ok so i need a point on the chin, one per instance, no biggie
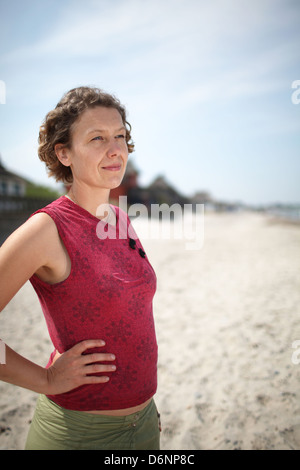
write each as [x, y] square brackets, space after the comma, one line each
[116, 182]
[113, 185]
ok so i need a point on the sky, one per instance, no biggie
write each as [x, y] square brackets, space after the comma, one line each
[208, 86]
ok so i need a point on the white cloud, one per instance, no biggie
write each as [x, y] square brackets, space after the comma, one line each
[196, 45]
[96, 28]
[169, 61]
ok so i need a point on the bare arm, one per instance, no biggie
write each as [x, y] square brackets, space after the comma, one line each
[22, 254]
[28, 249]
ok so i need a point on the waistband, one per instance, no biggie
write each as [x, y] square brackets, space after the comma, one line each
[89, 418]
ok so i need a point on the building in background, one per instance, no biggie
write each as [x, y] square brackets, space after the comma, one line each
[10, 183]
[160, 191]
[19, 198]
[129, 186]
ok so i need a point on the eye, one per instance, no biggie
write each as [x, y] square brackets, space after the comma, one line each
[98, 138]
[121, 136]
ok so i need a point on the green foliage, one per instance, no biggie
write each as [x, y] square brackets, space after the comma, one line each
[34, 190]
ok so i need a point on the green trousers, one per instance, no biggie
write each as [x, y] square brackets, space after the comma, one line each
[55, 428]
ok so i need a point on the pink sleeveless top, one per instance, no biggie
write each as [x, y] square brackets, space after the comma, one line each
[108, 295]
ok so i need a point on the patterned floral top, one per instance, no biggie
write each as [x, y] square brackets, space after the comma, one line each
[107, 295]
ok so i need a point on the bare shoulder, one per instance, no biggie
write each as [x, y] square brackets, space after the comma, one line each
[38, 230]
[26, 250]
[39, 223]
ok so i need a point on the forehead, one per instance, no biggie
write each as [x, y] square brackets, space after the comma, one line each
[99, 117]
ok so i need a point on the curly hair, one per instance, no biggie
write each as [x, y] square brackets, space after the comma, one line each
[57, 126]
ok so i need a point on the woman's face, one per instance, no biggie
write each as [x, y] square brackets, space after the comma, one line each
[98, 153]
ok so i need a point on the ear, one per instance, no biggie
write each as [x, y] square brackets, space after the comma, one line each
[62, 154]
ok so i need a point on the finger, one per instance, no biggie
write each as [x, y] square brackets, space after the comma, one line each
[96, 368]
[93, 379]
[79, 348]
[97, 357]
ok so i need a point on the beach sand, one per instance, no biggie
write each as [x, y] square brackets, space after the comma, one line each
[226, 318]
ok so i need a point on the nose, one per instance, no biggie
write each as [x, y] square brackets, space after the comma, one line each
[114, 148]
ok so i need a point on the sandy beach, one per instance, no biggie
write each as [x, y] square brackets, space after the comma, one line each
[226, 318]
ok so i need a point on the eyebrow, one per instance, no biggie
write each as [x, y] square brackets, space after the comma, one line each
[123, 128]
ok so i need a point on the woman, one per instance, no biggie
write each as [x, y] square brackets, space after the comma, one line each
[96, 292]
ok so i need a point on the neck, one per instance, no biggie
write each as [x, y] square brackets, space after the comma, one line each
[94, 202]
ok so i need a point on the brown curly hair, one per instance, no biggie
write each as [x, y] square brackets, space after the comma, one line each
[57, 126]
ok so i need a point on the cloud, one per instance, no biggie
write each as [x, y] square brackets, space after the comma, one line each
[101, 27]
[193, 47]
[194, 74]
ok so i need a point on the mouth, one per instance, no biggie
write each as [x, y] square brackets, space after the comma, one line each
[115, 167]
